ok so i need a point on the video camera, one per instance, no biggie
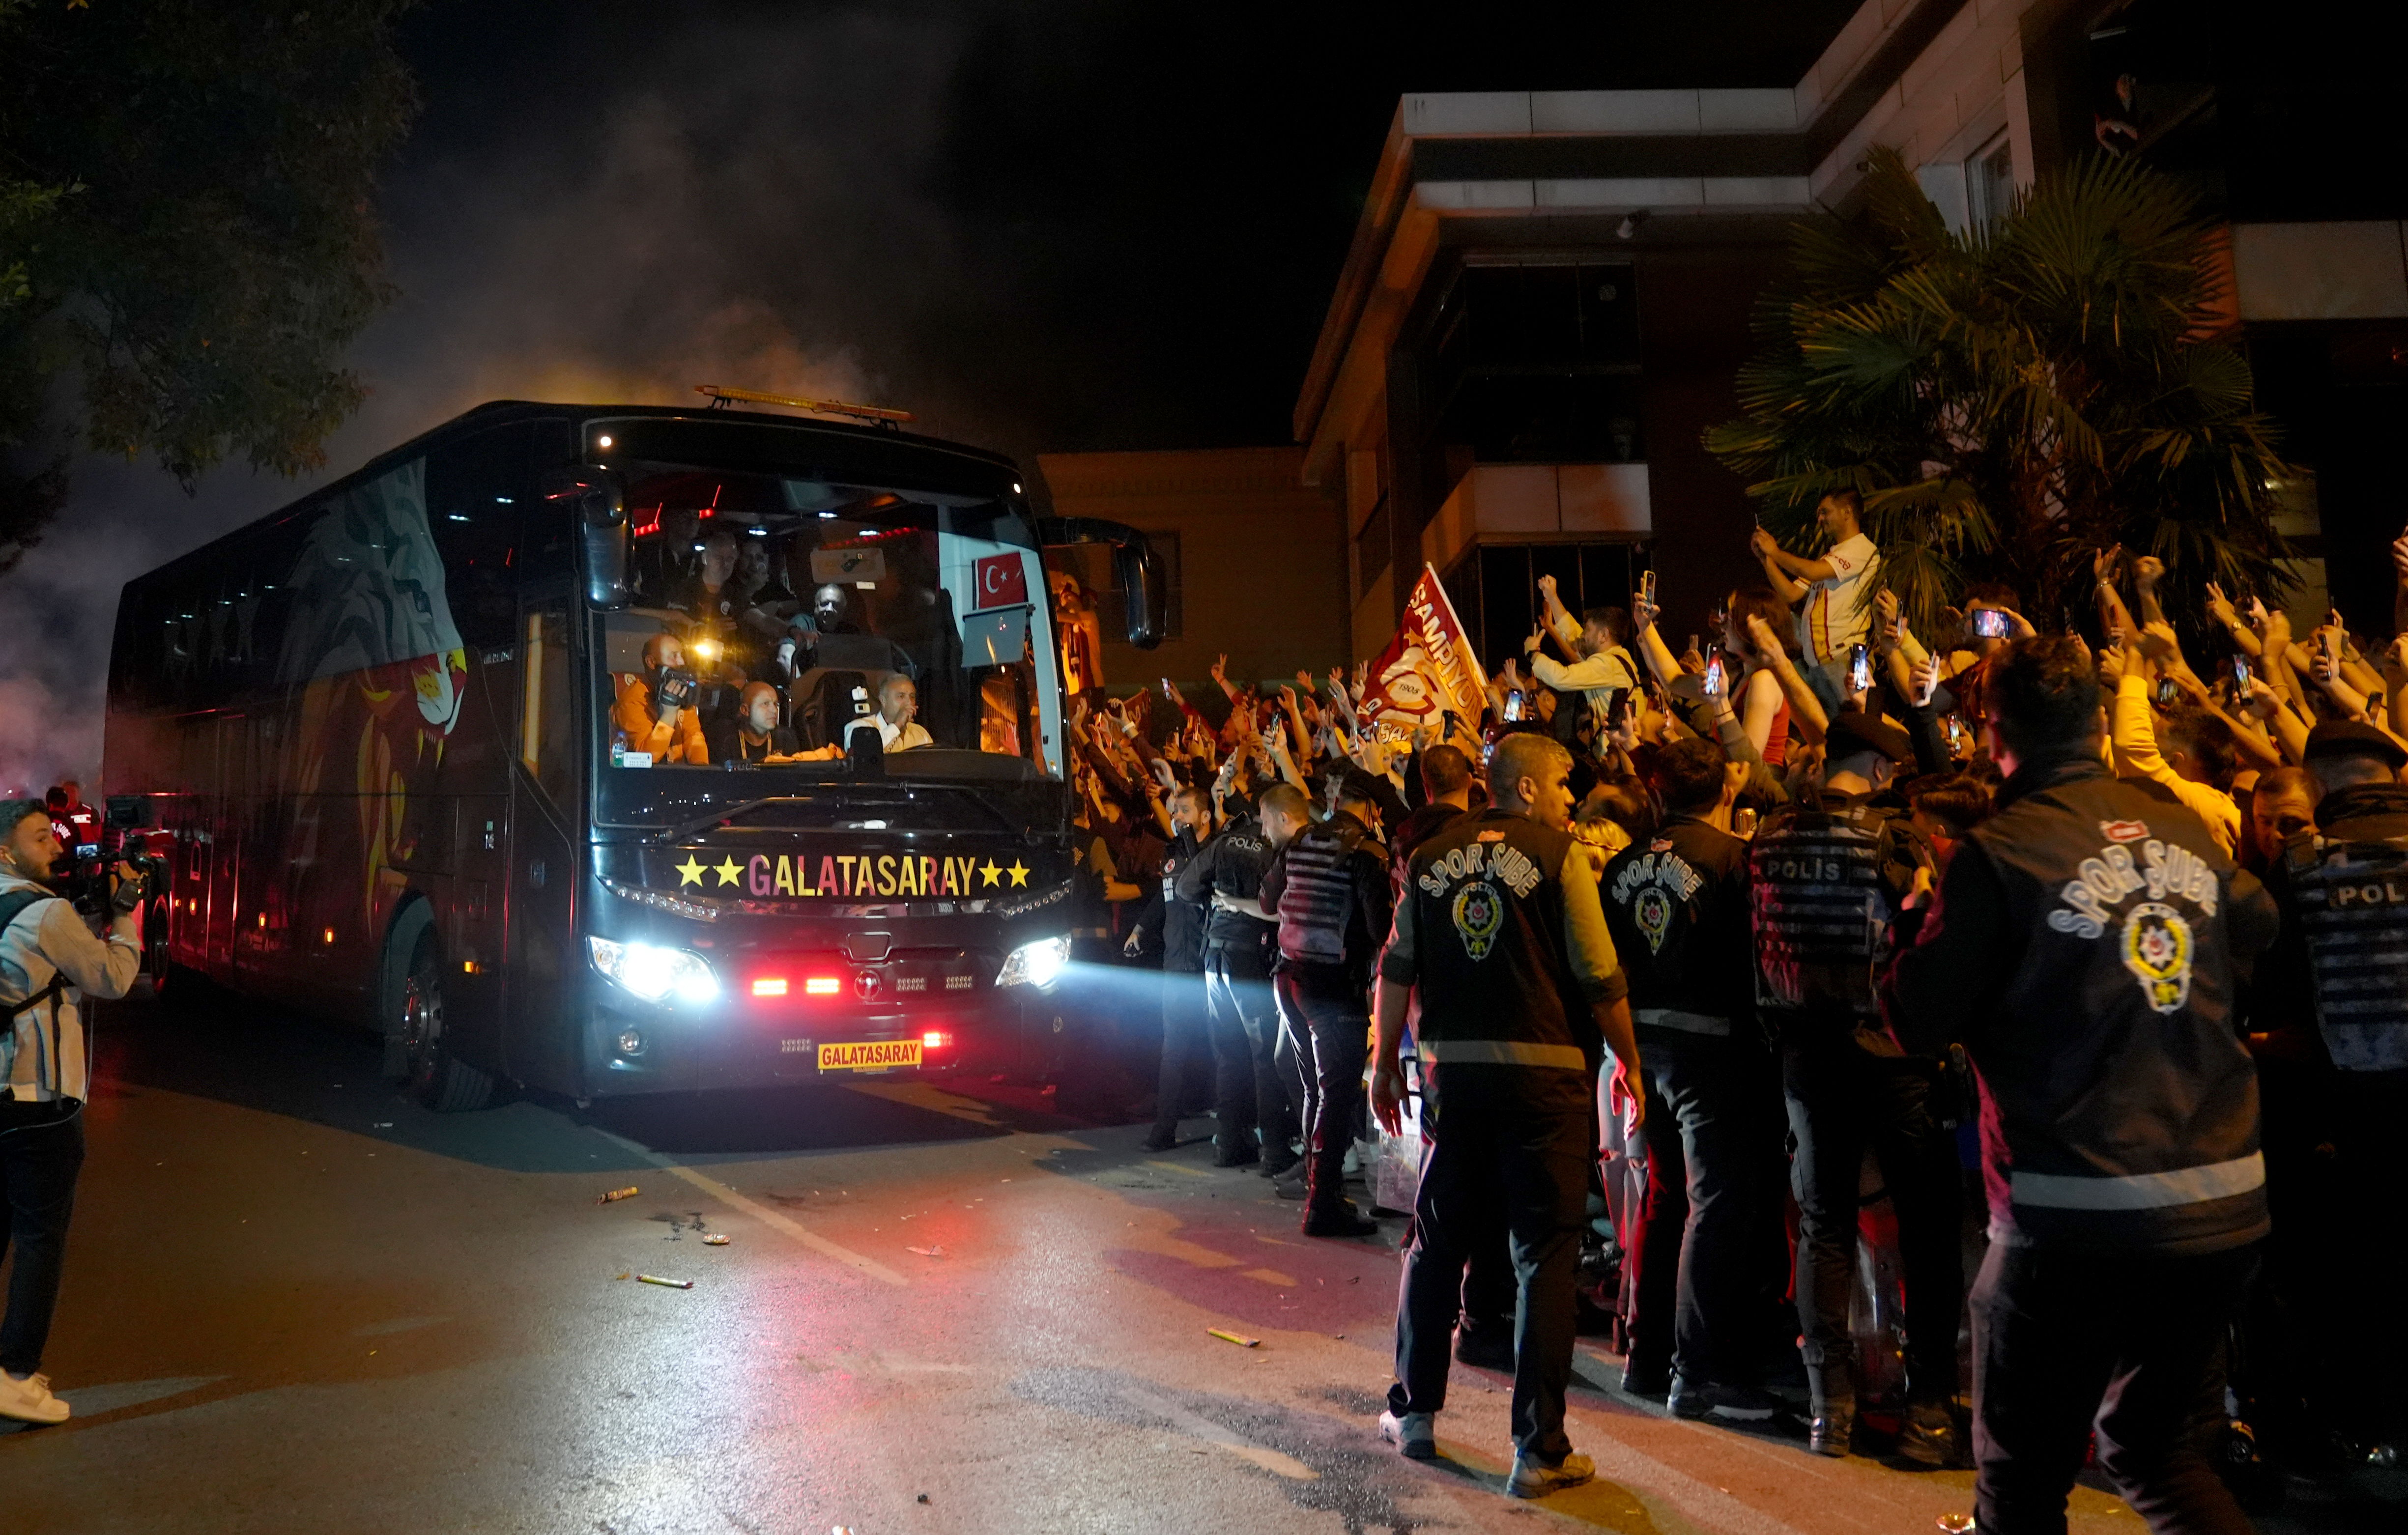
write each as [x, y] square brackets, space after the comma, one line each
[672, 689]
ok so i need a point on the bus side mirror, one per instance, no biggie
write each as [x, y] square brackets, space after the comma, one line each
[1136, 568]
[593, 497]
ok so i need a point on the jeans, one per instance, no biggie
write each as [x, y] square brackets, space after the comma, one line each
[1517, 1139]
[1324, 1009]
[40, 1156]
[2127, 1343]
[1710, 1112]
[1842, 1099]
[1238, 996]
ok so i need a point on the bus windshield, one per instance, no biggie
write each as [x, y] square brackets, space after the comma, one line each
[772, 617]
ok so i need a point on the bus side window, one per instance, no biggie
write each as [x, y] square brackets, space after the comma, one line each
[545, 748]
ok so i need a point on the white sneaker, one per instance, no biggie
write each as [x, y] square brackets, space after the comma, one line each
[29, 1400]
[1533, 1480]
[1413, 1434]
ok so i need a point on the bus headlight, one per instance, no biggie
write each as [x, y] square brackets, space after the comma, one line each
[1037, 964]
[655, 973]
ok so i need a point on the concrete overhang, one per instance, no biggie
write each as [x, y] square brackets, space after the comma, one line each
[1725, 157]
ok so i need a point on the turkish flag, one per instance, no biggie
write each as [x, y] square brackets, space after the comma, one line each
[1002, 580]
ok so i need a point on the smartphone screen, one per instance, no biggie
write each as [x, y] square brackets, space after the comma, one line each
[1860, 668]
[1990, 623]
[1513, 704]
[2240, 678]
[2167, 692]
[1647, 584]
[1714, 680]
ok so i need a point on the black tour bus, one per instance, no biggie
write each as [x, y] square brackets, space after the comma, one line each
[395, 744]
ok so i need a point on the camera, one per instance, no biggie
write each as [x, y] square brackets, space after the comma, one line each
[672, 688]
[1990, 623]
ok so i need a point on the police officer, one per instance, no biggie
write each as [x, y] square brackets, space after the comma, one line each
[2330, 1029]
[49, 961]
[1176, 923]
[1677, 907]
[1826, 877]
[2082, 949]
[1329, 885]
[1521, 994]
[1227, 876]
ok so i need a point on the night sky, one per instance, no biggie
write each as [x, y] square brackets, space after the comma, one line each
[1045, 225]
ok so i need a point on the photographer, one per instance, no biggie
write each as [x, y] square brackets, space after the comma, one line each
[655, 707]
[49, 958]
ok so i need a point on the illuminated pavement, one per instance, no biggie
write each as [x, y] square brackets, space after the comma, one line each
[295, 1302]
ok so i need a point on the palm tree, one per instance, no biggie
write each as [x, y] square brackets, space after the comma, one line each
[2009, 399]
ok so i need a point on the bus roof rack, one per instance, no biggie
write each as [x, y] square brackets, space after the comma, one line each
[722, 396]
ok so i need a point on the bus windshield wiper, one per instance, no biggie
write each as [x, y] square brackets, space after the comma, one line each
[687, 827]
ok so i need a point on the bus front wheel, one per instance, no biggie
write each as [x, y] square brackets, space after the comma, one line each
[441, 1080]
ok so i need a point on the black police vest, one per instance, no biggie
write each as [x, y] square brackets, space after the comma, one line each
[1488, 934]
[1317, 904]
[2352, 897]
[1819, 910]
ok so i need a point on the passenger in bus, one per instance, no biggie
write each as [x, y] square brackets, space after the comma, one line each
[667, 561]
[754, 735]
[837, 640]
[655, 710]
[712, 595]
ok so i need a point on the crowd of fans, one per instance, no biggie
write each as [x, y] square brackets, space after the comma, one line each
[1807, 737]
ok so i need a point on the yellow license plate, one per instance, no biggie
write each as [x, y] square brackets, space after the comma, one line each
[869, 1055]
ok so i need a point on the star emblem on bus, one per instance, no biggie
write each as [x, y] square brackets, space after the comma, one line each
[991, 873]
[728, 871]
[689, 872]
[1019, 872]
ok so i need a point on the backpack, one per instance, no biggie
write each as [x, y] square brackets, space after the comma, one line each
[12, 906]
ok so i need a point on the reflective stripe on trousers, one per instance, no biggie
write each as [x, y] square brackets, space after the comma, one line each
[2140, 1190]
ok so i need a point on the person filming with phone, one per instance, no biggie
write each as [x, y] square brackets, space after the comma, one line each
[50, 961]
[1832, 594]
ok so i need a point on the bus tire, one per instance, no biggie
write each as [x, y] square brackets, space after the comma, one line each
[436, 1077]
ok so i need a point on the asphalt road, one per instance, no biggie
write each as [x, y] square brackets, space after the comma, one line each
[296, 1302]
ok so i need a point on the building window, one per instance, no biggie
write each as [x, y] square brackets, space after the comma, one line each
[1537, 362]
[1990, 181]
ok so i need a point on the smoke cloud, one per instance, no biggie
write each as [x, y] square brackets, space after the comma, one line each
[750, 209]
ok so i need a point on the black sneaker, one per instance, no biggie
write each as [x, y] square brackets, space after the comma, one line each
[1290, 1188]
[1929, 1437]
[1833, 1428]
[1276, 1168]
[1245, 1155]
[1485, 1348]
[1645, 1381]
[1343, 1221]
[1694, 1399]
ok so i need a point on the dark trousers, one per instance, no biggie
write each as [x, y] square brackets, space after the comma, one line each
[2130, 1343]
[1710, 1112]
[1186, 1048]
[1842, 1099]
[1238, 995]
[1326, 1012]
[40, 1155]
[1515, 1139]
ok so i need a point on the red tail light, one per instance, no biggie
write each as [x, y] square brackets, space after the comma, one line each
[937, 1038]
[821, 985]
[770, 985]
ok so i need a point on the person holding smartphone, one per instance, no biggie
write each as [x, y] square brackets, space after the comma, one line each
[1832, 594]
[1599, 642]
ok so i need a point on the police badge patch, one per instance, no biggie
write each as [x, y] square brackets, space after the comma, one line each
[1478, 911]
[1652, 913]
[2156, 948]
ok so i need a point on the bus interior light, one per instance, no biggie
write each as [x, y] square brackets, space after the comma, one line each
[821, 985]
[770, 985]
[655, 973]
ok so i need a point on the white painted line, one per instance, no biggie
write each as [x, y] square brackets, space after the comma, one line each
[776, 1220]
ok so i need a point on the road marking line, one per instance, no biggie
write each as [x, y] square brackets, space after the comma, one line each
[1173, 1167]
[1270, 1276]
[772, 1218]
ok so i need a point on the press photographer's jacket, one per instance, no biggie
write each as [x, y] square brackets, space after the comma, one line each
[45, 1050]
[2082, 948]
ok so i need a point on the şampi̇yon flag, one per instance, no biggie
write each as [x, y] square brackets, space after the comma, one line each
[1427, 669]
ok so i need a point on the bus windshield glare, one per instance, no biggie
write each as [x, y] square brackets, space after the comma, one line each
[772, 618]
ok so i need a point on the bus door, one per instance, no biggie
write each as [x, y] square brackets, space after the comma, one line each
[546, 835]
[228, 744]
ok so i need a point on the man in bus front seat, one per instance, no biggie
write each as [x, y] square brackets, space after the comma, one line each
[898, 707]
[654, 707]
[754, 735]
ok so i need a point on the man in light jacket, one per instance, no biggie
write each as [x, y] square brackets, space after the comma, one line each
[50, 959]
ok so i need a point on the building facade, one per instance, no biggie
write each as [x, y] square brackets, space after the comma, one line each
[1548, 293]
